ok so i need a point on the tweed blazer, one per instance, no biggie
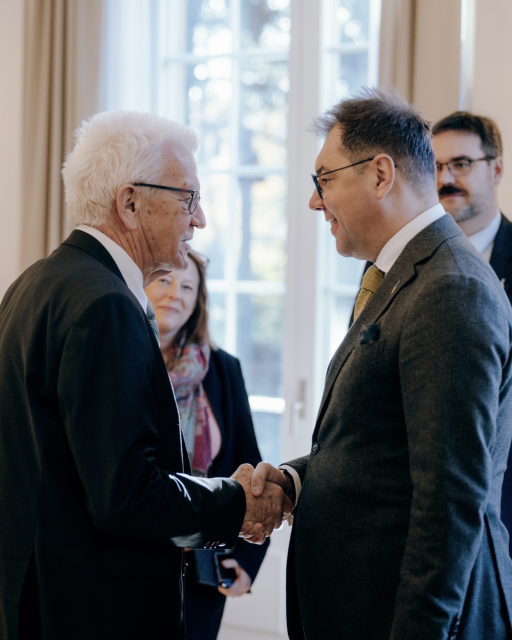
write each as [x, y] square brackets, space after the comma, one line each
[397, 533]
[501, 262]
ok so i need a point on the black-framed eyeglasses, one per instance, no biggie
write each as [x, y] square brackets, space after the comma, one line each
[194, 199]
[315, 177]
[461, 166]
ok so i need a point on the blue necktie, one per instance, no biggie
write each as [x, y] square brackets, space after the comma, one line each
[152, 321]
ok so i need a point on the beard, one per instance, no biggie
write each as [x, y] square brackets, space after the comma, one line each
[466, 212]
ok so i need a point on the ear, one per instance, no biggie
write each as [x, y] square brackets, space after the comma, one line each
[128, 205]
[498, 170]
[384, 172]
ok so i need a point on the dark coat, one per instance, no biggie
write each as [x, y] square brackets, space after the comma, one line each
[225, 389]
[94, 502]
[403, 482]
[224, 386]
[501, 262]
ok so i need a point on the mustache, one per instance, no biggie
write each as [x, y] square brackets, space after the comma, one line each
[449, 189]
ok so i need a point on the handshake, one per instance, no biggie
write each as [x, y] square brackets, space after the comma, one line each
[270, 499]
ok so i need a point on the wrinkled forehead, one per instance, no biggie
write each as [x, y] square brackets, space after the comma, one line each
[180, 165]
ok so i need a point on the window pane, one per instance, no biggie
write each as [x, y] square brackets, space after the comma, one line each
[263, 228]
[215, 200]
[265, 23]
[209, 92]
[208, 27]
[268, 433]
[217, 317]
[263, 111]
[348, 270]
[260, 333]
[353, 18]
[352, 74]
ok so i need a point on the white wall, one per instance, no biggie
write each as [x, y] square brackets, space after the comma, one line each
[437, 57]
[437, 65]
[11, 111]
[492, 83]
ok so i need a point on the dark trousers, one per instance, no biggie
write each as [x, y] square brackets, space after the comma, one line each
[204, 607]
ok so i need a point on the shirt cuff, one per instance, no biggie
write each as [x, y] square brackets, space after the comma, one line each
[296, 482]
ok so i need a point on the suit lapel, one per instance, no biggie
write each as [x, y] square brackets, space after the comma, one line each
[88, 243]
[418, 250]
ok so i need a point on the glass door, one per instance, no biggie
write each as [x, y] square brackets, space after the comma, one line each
[250, 76]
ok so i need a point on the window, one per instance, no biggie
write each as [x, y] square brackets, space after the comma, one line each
[223, 67]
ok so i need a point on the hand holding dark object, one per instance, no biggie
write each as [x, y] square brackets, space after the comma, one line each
[265, 512]
[241, 585]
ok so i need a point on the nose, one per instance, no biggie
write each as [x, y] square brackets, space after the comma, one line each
[198, 220]
[173, 289]
[316, 203]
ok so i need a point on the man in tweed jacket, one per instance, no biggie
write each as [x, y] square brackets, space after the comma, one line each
[397, 532]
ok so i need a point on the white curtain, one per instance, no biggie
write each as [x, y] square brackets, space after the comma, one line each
[130, 62]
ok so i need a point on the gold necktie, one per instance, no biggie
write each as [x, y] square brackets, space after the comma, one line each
[371, 282]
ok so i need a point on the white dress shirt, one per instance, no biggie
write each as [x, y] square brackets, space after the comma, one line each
[395, 245]
[385, 260]
[129, 270]
[483, 240]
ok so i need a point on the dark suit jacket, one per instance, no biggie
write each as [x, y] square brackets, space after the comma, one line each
[403, 483]
[224, 386]
[94, 502]
[501, 262]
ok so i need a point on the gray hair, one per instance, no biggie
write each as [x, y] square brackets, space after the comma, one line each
[113, 148]
[383, 122]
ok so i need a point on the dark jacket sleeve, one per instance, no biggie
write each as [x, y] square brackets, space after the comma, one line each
[226, 392]
[111, 414]
[300, 465]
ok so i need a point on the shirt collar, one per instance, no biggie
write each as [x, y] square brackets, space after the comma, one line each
[129, 270]
[395, 245]
[482, 239]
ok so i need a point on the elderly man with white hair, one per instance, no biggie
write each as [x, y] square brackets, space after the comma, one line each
[96, 504]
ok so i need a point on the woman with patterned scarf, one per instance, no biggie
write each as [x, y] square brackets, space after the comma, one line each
[217, 426]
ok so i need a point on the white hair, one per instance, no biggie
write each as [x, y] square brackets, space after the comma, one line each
[114, 148]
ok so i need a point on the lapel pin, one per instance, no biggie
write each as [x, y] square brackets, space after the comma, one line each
[502, 282]
[394, 288]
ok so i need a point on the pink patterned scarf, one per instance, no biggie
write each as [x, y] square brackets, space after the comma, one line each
[187, 370]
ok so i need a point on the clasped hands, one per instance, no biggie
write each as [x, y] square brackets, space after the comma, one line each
[269, 496]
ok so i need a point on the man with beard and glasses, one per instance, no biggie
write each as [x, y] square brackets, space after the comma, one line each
[468, 152]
